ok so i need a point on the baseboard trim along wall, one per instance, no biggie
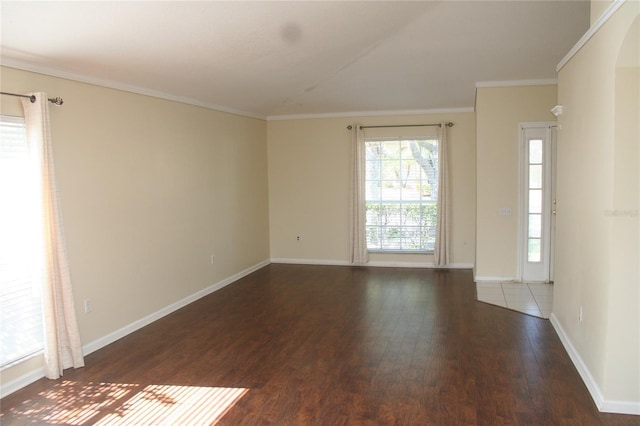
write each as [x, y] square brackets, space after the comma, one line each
[323, 262]
[426, 265]
[136, 325]
[605, 406]
[481, 278]
[20, 382]
[27, 379]
[381, 264]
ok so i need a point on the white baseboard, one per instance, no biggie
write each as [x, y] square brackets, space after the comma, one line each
[605, 406]
[20, 382]
[481, 278]
[427, 265]
[620, 407]
[383, 264]
[27, 379]
[136, 325]
[584, 372]
[325, 262]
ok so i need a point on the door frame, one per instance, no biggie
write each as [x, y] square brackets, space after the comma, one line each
[548, 199]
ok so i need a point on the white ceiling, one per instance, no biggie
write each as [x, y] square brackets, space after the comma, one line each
[270, 59]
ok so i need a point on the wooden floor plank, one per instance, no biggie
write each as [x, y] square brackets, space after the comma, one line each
[325, 345]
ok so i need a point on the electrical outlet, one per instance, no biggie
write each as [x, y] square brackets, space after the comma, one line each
[87, 306]
[298, 238]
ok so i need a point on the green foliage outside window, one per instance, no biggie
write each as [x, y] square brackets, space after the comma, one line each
[394, 226]
[401, 202]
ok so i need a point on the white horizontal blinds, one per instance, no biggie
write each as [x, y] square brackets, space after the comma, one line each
[13, 137]
[401, 194]
[21, 328]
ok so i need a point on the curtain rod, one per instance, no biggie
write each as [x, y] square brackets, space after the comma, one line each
[448, 124]
[32, 98]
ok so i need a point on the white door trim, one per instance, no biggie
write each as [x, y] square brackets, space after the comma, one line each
[522, 192]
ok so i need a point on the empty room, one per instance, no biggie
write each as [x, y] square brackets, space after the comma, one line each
[320, 212]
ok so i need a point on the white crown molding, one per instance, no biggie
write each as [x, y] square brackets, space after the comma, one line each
[514, 83]
[17, 64]
[608, 13]
[13, 63]
[370, 113]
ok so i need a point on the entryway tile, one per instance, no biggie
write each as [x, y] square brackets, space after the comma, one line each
[529, 298]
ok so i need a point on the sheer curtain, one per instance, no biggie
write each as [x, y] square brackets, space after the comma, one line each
[441, 254]
[358, 248]
[62, 346]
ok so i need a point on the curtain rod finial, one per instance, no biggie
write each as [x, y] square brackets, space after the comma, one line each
[349, 127]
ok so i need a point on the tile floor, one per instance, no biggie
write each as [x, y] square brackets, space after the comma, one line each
[529, 298]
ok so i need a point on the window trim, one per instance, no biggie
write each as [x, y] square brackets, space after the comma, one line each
[19, 120]
[400, 139]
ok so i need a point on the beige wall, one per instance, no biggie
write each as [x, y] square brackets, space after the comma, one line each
[597, 235]
[309, 163]
[499, 111]
[149, 190]
[597, 9]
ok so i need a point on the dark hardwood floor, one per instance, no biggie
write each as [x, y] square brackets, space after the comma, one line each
[321, 345]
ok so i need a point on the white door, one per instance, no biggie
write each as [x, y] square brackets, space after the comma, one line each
[537, 203]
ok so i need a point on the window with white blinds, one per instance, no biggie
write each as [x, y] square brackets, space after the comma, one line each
[401, 194]
[21, 327]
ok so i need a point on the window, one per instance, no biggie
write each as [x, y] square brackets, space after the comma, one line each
[401, 194]
[20, 246]
[534, 204]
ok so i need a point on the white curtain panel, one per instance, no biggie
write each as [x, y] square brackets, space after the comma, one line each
[359, 253]
[62, 345]
[441, 255]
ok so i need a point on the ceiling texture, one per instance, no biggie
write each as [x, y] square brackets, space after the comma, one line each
[296, 58]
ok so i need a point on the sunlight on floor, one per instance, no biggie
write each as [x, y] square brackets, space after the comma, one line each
[529, 298]
[74, 403]
[172, 405]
